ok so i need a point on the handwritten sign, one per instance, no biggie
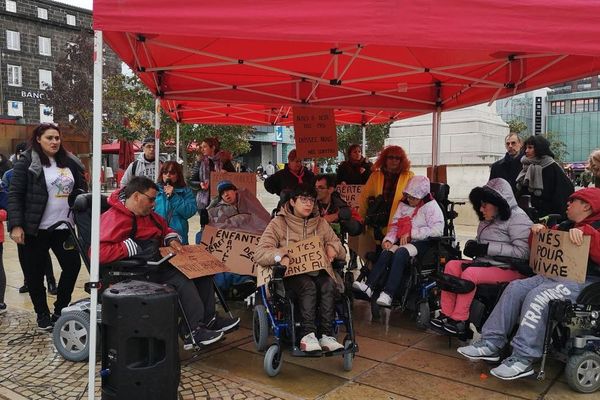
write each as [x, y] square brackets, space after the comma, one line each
[307, 255]
[314, 130]
[241, 180]
[350, 194]
[235, 249]
[195, 261]
[554, 255]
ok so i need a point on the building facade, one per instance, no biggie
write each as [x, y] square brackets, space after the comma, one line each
[34, 36]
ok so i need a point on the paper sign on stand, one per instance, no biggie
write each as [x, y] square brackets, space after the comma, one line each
[555, 256]
[315, 133]
[306, 256]
[234, 248]
[350, 194]
[241, 180]
[195, 261]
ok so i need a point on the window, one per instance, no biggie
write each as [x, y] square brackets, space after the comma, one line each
[45, 79]
[14, 75]
[13, 40]
[46, 114]
[15, 108]
[45, 45]
[584, 105]
[42, 13]
[557, 107]
[11, 6]
[71, 20]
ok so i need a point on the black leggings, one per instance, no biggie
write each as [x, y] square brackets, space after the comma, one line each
[47, 267]
[35, 253]
[2, 274]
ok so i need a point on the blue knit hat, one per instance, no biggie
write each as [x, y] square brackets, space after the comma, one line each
[225, 185]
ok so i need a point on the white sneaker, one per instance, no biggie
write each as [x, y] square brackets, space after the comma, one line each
[329, 343]
[384, 299]
[310, 343]
[363, 287]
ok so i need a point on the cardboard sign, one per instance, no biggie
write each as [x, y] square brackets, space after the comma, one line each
[350, 194]
[307, 255]
[554, 255]
[241, 180]
[314, 131]
[195, 261]
[234, 248]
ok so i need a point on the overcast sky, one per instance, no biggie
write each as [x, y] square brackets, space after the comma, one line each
[78, 3]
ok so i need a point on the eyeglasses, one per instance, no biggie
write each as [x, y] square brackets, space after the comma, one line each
[152, 199]
[409, 197]
[305, 200]
[398, 158]
[170, 172]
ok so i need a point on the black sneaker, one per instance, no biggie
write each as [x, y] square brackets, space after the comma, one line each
[439, 321]
[54, 317]
[52, 288]
[202, 336]
[44, 323]
[2, 308]
[223, 324]
[453, 327]
[24, 289]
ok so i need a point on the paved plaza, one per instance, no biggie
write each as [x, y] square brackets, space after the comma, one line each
[395, 361]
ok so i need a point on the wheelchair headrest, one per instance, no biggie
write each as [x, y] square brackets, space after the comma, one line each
[439, 191]
[83, 202]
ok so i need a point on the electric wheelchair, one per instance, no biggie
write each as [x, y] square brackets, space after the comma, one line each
[277, 314]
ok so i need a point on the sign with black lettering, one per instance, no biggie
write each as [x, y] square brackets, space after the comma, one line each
[350, 194]
[241, 180]
[555, 256]
[194, 261]
[314, 131]
[234, 248]
[305, 256]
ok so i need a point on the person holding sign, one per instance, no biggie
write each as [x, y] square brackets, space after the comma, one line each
[131, 229]
[290, 177]
[175, 201]
[418, 218]
[525, 302]
[297, 220]
[502, 232]
[356, 169]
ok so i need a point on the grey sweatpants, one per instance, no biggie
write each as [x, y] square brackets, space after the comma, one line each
[525, 302]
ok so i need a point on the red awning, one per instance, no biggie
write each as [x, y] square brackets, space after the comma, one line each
[113, 148]
[370, 60]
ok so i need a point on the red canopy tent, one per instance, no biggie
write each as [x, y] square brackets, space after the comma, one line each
[115, 145]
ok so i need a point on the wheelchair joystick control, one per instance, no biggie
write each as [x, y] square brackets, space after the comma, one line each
[104, 372]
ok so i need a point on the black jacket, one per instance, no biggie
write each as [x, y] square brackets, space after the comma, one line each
[507, 168]
[350, 173]
[284, 179]
[28, 194]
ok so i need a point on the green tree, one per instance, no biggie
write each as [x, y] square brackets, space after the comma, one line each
[518, 126]
[558, 147]
[352, 134]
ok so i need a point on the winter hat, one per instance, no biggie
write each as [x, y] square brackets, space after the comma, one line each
[148, 139]
[222, 186]
[590, 195]
[418, 187]
[487, 194]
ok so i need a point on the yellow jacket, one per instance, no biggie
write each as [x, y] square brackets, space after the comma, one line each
[374, 187]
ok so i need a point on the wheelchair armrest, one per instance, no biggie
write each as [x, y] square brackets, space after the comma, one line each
[453, 284]
[590, 295]
[124, 264]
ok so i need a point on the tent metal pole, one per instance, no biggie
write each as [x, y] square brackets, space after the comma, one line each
[95, 238]
[177, 143]
[157, 139]
[364, 140]
[435, 139]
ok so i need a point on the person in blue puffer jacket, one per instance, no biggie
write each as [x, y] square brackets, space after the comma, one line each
[175, 202]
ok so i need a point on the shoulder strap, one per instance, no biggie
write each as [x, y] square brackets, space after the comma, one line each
[134, 167]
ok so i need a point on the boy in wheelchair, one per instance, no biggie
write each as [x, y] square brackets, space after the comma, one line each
[417, 218]
[297, 220]
[130, 229]
[526, 301]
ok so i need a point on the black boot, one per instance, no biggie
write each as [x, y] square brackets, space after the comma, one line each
[52, 288]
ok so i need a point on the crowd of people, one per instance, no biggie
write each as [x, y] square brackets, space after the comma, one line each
[396, 209]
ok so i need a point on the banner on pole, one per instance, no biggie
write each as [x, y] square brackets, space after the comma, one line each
[314, 131]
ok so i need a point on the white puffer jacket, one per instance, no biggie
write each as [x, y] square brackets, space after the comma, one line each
[428, 221]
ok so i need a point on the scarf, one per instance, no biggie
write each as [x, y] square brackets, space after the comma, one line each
[298, 176]
[531, 174]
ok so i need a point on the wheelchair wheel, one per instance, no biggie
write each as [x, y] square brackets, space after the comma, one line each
[583, 372]
[260, 327]
[423, 314]
[273, 360]
[348, 357]
[71, 335]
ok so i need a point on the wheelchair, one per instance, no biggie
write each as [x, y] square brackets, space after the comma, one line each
[418, 292]
[277, 314]
[71, 331]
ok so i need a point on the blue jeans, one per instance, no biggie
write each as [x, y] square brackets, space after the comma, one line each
[398, 260]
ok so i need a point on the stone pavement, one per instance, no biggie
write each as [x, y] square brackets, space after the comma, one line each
[395, 361]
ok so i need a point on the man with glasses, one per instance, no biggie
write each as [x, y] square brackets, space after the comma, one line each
[297, 220]
[131, 229]
[508, 168]
[144, 165]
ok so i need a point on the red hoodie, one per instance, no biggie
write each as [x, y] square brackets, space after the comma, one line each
[116, 225]
[592, 197]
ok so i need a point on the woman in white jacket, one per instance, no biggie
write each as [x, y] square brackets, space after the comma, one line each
[417, 218]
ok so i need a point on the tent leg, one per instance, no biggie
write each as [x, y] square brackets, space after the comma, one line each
[364, 140]
[177, 143]
[435, 142]
[95, 238]
[157, 139]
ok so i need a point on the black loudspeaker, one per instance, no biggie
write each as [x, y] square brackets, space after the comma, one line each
[140, 352]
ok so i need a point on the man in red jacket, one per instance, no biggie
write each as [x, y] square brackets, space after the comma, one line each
[131, 229]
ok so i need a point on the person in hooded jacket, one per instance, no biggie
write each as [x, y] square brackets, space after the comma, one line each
[524, 303]
[297, 220]
[502, 232]
[543, 179]
[417, 218]
[144, 165]
[290, 177]
[356, 169]
[175, 201]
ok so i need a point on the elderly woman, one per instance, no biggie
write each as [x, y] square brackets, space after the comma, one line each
[543, 179]
[503, 231]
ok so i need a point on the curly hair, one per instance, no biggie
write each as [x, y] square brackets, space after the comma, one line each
[388, 151]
